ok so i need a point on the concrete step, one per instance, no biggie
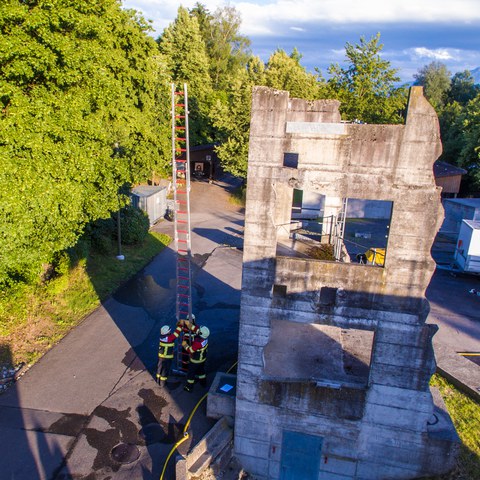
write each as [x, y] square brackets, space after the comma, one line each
[209, 447]
[216, 445]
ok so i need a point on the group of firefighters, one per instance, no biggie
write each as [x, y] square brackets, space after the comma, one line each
[194, 352]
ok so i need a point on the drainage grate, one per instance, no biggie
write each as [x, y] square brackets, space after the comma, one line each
[125, 453]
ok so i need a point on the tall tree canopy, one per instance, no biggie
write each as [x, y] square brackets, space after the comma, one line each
[284, 72]
[366, 87]
[78, 80]
[435, 79]
[183, 50]
[227, 50]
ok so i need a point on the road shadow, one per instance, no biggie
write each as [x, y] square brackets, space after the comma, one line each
[33, 443]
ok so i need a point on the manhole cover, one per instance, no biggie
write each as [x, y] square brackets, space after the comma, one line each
[152, 433]
[125, 453]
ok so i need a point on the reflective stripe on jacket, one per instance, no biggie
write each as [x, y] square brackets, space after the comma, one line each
[198, 350]
[167, 342]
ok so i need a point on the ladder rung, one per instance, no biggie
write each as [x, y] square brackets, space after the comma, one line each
[183, 304]
[184, 295]
[181, 221]
[183, 269]
[179, 104]
[181, 202]
[181, 139]
[181, 160]
[182, 250]
[182, 192]
[179, 93]
[181, 149]
[179, 116]
[182, 231]
[182, 212]
[179, 128]
[183, 259]
[183, 278]
[181, 240]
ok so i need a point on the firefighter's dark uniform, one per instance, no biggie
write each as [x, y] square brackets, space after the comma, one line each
[165, 354]
[196, 367]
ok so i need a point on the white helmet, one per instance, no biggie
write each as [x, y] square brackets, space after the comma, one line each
[204, 332]
[165, 330]
[191, 317]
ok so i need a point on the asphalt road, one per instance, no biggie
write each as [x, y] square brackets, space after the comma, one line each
[95, 390]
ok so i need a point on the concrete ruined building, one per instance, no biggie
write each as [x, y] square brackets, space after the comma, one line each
[335, 357]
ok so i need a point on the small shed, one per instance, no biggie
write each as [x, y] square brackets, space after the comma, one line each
[151, 199]
[204, 161]
[457, 210]
[448, 177]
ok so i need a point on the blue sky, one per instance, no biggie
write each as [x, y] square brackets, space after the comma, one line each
[414, 32]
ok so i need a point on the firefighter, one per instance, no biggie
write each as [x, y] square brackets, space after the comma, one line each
[188, 336]
[165, 351]
[198, 354]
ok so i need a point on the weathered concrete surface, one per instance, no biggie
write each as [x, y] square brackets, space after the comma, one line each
[379, 430]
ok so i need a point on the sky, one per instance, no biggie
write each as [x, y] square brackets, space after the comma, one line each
[413, 32]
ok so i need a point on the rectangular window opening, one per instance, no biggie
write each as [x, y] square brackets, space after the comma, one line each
[346, 230]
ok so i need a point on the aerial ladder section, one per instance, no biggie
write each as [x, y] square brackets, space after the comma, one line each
[181, 198]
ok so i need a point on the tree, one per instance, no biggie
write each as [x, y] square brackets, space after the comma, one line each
[227, 50]
[184, 52]
[469, 157]
[232, 118]
[435, 79]
[462, 88]
[76, 80]
[366, 86]
[284, 72]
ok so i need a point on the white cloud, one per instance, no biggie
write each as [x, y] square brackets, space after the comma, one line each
[436, 54]
[297, 29]
[263, 17]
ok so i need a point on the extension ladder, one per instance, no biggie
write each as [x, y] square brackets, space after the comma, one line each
[181, 198]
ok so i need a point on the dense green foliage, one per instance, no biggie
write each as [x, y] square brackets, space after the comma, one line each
[78, 80]
[457, 102]
[366, 86]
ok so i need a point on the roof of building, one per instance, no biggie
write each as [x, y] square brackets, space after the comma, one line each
[444, 169]
[147, 190]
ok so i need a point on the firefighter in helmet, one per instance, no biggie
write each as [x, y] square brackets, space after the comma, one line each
[165, 351]
[197, 351]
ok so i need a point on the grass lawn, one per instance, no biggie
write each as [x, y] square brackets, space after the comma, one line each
[34, 318]
[465, 414]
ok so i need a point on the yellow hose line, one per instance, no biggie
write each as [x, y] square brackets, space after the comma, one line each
[232, 367]
[469, 354]
[185, 437]
[193, 413]
[185, 433]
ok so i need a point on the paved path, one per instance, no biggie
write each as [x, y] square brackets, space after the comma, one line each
[95, 389]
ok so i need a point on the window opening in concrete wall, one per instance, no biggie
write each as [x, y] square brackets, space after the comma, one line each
[367, 226]
[290, 160]
[326, 355]
[336, 229]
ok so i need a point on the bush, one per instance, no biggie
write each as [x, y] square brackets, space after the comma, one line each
[134, 225]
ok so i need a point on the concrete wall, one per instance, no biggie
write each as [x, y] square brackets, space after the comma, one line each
[379, 430]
